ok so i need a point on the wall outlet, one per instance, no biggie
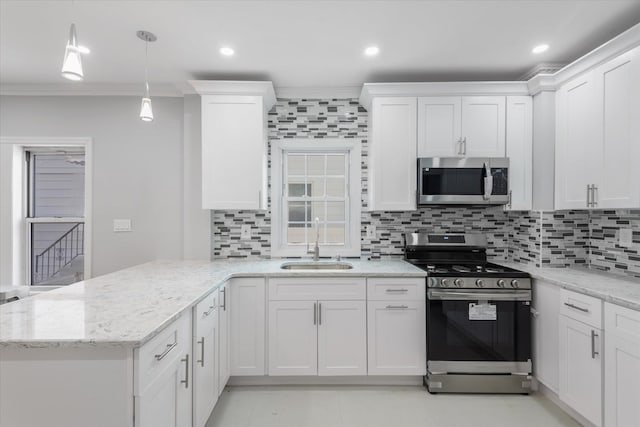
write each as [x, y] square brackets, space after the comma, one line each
[371, 231]
[245, 232]
[625, 237]
[121, 225]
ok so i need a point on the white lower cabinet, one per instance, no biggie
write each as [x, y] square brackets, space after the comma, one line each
[622, 366]
[397, 338]
[545, 328]
[580, 346]
[205, 359]
[342, 338]
[163, 381]
[247, 339]
[293, 341]
[224, 354]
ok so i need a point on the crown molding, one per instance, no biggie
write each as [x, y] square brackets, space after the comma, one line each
[233, 87]
[88, 89]
[318, 92]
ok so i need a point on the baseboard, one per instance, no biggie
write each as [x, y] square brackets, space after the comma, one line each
[553, 397]
[314, 380]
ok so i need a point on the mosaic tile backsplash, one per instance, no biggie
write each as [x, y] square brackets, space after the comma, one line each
[546, 239]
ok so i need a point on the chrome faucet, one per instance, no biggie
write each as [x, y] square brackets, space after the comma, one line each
[316, 248]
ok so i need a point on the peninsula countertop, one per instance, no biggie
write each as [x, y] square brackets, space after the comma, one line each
[129, 307]
[608, 287]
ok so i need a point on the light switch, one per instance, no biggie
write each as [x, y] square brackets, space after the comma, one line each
[625, 237]
[245, 232]
[121, 225]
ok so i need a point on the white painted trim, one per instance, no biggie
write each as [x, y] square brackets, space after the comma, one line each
[227, 87]
[317, 380]
[553, 397]
[90, 89]
[318, 92]
[278, 248]
[87, 143]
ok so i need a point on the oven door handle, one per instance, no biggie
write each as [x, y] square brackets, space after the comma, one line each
[479, 296]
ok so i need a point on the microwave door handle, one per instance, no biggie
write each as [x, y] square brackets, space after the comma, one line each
[488, 182]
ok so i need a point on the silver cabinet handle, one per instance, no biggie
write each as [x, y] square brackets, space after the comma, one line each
[589, 195]
[459, 143]
[259, 199]
[464, 149]
[584, 310]
[207, 313]
[186, 371]
[397, 290]
[397, 307]
[594, 353]
[166, 351]
[315, 313]
[201, 361]
[595, 195]
[224, 299]
[320, 313]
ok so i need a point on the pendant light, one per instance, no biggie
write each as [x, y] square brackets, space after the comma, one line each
[146, 110]
[72, 64]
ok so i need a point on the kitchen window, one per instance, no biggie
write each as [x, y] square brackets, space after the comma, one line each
[316, 196]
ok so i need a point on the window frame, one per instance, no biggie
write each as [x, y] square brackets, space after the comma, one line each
[279, 149]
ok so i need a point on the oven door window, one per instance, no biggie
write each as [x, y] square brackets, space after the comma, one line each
[458, 332]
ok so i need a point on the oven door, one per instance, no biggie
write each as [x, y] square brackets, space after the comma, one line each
[479, 326]
[452, 180]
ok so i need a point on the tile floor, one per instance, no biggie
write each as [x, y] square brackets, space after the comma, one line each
[376, 406]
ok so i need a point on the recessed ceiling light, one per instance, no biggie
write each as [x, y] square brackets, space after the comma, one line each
[226, 51]
[540, 48]
[372, 51]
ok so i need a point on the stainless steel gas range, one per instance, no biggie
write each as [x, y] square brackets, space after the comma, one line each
[478, 316]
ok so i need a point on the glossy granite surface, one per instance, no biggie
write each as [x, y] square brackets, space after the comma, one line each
[611, 288]
[129, 307]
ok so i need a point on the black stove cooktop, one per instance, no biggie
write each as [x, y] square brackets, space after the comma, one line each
[469, 270]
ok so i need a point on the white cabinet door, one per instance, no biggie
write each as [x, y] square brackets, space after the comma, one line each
[578, 156]
[223, 338]
[234, 148]
[397, 338]
[248, 320]
[619, 85]
[392, 154]
[166, 402]
[622, 366]
[205, 359]
[483, 126]
[293, 338]
[545, 328]
[439, 126]
[520, 152]
[342, 338]
[581, 368]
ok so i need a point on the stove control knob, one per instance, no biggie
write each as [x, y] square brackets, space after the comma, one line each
[459, 282]
[501, 283]
[514, 283]
[444, 283]
[433, 282]
[480, 283]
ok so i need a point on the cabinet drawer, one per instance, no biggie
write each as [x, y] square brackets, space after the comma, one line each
[205, 311]
[581, 307]
[396, 289]
[622, 321]
[158, 354]
[316, 288]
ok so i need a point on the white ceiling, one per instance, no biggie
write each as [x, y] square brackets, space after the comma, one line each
[302, 43]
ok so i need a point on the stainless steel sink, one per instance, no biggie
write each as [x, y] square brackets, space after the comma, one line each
[318, 265]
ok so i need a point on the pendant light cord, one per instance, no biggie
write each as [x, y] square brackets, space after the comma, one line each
[146, 68]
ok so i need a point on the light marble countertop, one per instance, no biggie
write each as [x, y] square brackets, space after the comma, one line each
[129, 307]
[608, 287]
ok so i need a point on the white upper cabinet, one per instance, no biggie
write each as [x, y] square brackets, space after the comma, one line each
[439, 126]
[618, 83]
[392, 154]
[519, 137]
[453, 126]
[234, 143]
[598, 129]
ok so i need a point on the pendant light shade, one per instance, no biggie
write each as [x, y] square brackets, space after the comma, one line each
[146, 109]
[72, 64]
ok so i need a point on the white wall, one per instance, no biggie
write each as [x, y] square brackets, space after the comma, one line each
[137, 168]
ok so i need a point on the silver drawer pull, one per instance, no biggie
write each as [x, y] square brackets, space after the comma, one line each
[166, 351]
[594, 353]
[584, 310]
[397, 307]
[201, 361]
[185, 381]
[397, 290]
[207, 313]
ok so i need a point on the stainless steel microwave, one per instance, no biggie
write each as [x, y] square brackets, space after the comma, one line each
[463, 181]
